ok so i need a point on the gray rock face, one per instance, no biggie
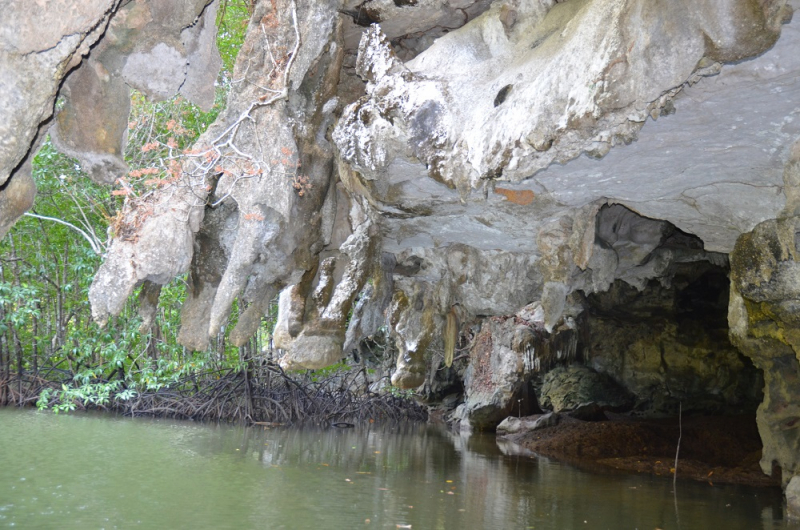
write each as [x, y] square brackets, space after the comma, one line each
[41, 48]
[471, 105]
[496, 384]
[35, 57]
[159, 48]
[447, 95]
[254, 231]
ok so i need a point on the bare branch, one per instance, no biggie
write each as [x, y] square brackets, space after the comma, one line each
[96, 245]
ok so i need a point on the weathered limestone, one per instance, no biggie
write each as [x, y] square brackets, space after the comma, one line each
[414, 318]
[512, 425]
[567, 388]
[256, 217]
[429, 283]
[320, 342]
[702, 183]
[49, 48]
[160, 48]
[669, 347]
[16, 197]
[496, 384]
[471, 106]
[646, 325]
[765, 324]
[34, 58]
[153, 244]
[412, 25]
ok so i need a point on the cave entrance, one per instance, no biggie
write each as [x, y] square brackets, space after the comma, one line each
[668, 344]
[654, 342]
[660, 329]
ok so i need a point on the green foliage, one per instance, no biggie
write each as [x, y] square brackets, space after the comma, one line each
[232, 20]
[401, 393]
[323, 373]
[19, 305]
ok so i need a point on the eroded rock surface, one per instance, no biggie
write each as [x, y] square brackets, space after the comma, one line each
[471, 106]
[160, 48]
[567, 388]
[35, 58]
[46, 54]
[496, 382]
[764, 325]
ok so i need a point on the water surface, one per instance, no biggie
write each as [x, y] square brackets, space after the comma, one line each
[97, 471]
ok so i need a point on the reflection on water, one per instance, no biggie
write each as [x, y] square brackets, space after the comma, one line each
[91, 471]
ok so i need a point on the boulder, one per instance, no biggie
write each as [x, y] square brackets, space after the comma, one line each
[496, 381]
[512, 425]
[571, 387]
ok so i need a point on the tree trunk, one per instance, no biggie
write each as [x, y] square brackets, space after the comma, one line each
[5, 354]
[14, 334]
[18, 350]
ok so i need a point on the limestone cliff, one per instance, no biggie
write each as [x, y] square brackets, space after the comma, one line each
[564, 181]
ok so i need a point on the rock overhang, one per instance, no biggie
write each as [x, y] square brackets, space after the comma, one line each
[713, 168]
[711, 163]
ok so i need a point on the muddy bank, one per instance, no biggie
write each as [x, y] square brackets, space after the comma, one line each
[714, 449]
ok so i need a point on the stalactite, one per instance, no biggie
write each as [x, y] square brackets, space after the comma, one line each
[450, 336]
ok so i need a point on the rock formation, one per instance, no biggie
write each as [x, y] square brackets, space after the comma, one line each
[567, 181]
[160, 48]
[763, 316]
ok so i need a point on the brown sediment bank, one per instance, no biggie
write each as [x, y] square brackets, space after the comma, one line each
[713, 449]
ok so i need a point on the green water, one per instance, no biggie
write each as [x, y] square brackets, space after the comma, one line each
[93, 471]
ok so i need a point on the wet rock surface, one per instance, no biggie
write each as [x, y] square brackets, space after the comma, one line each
[512, 425]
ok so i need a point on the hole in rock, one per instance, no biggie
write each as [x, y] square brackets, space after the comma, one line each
[502, 94]
[653, 344]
